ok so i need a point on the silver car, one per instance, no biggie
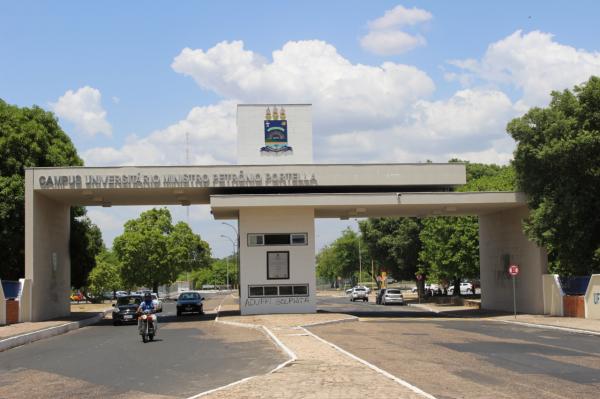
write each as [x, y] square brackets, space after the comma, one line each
[392, 296]
[359, 294]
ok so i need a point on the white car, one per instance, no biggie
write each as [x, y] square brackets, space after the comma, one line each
[392, 296]
[157, 302]
[359, 293]
[465, 288]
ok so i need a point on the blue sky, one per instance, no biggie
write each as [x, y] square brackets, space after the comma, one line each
[390, 81]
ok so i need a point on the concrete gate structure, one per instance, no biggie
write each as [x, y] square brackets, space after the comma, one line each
[275, 194]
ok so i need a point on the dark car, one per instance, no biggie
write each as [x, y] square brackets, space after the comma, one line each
[125, 310]
[189, 302]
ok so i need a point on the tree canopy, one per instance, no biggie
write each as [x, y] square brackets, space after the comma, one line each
[394, 244]
[340, 259]
[32, 137]
[557, 163]
[106, 276]
[152, 251]
[216, 273]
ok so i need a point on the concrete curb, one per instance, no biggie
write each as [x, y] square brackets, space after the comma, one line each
[549, 327]
[18, 340]
[336, 321]
[519, 323]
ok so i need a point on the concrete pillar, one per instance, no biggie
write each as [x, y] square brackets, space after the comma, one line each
[253, 260]
[47, 259]
[25, 300]
[592, 298]
[2, 306]
[553, 295]
[501, 243]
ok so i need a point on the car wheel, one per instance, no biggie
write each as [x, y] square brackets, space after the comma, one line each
[366, 299]
[201, 309]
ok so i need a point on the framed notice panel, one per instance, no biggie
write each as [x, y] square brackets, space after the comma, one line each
[278, 265]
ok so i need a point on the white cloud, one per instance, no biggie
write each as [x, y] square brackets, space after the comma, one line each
[116, 99]
[345, 95]
[471, 124]
[534, 63]
[391, 42]
[84, 109]
[400, 16]
[211, 138]
[385, 37]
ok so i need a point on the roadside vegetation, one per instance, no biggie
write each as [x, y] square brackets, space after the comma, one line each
[32, 137]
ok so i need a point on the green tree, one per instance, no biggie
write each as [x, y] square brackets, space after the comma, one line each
[450, 249]
[340, 259]
[85, 244]
[153, 252]
[394, 244]
[217, 273]
[106, 276]
[31, 137]
[557, 165]
[328, 267]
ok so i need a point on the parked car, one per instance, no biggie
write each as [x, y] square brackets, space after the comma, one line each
[392, 296]
[359, 293]
[189, 302]
[465, 288]
[157, 302]
[77, 296]
[125, 310]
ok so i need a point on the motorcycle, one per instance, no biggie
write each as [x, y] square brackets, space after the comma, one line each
[147, 326]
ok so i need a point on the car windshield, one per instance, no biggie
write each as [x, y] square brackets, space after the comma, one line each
[392, 291]
[189, 295]
[129, 300]
[359, 289]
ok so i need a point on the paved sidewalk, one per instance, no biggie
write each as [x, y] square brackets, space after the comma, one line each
[540, 320]
[79, 312]
[319, 371]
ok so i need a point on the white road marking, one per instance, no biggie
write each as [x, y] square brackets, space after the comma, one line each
[292, 356]
[374, 368]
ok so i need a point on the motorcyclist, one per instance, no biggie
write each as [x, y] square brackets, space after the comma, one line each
[148, 306]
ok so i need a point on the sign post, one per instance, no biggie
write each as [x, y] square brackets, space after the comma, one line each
[419, 278]
[513, 270]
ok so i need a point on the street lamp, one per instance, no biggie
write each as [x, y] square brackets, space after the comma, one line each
[359, 257]
[237, 244]
[226, 261]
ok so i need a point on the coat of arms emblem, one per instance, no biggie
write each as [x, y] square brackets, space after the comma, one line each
[276, 139]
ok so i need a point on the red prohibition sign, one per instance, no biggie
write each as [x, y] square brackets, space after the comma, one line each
[513, 270]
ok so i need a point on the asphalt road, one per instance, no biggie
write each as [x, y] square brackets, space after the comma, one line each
[191, 354]
[470, 357]
[342, 304]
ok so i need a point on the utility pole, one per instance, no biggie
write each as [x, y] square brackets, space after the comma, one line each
[187, 162]
[226, 261]
[237, 247]
[359, 263]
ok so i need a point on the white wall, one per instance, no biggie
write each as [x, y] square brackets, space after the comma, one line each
[553, 295]
[502, 234]
[2, 307]
[592, 298]
[253, 260]
[47, 230]
[251, 135]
